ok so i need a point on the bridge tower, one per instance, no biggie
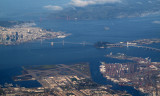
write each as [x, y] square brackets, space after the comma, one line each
[63, 42]
[127, 44]
[52, 43]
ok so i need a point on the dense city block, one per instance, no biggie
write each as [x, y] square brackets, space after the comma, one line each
[26, 32]
[140, 73]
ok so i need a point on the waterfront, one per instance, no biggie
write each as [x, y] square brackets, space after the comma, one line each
[25, 32]
[33, 53]
[142, 73]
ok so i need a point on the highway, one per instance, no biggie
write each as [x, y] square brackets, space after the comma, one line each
[138, 46]
[156, 49]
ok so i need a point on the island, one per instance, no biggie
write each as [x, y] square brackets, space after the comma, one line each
[142, 43]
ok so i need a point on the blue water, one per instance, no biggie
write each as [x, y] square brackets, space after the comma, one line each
[12, 58]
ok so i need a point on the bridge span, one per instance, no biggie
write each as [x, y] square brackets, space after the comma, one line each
[150, 48]
[64, 42]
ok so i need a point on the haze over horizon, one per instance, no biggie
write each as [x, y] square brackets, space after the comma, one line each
[81, 9]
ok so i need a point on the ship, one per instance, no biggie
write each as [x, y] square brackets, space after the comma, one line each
[61, 36]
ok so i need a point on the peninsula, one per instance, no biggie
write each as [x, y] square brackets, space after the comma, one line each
[26, 32]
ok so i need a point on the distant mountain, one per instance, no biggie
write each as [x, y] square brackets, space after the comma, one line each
[128, 8]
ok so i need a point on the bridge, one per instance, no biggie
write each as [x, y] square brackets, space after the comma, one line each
[64, 42]
[150, 48]
[87, 43]
[145, 47]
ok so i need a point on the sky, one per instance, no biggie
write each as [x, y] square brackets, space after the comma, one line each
[83, 3]
[9, 8]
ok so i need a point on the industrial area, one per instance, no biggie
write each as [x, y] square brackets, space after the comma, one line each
[140, 73]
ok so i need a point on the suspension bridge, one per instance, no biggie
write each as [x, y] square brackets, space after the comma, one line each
[52, 43]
